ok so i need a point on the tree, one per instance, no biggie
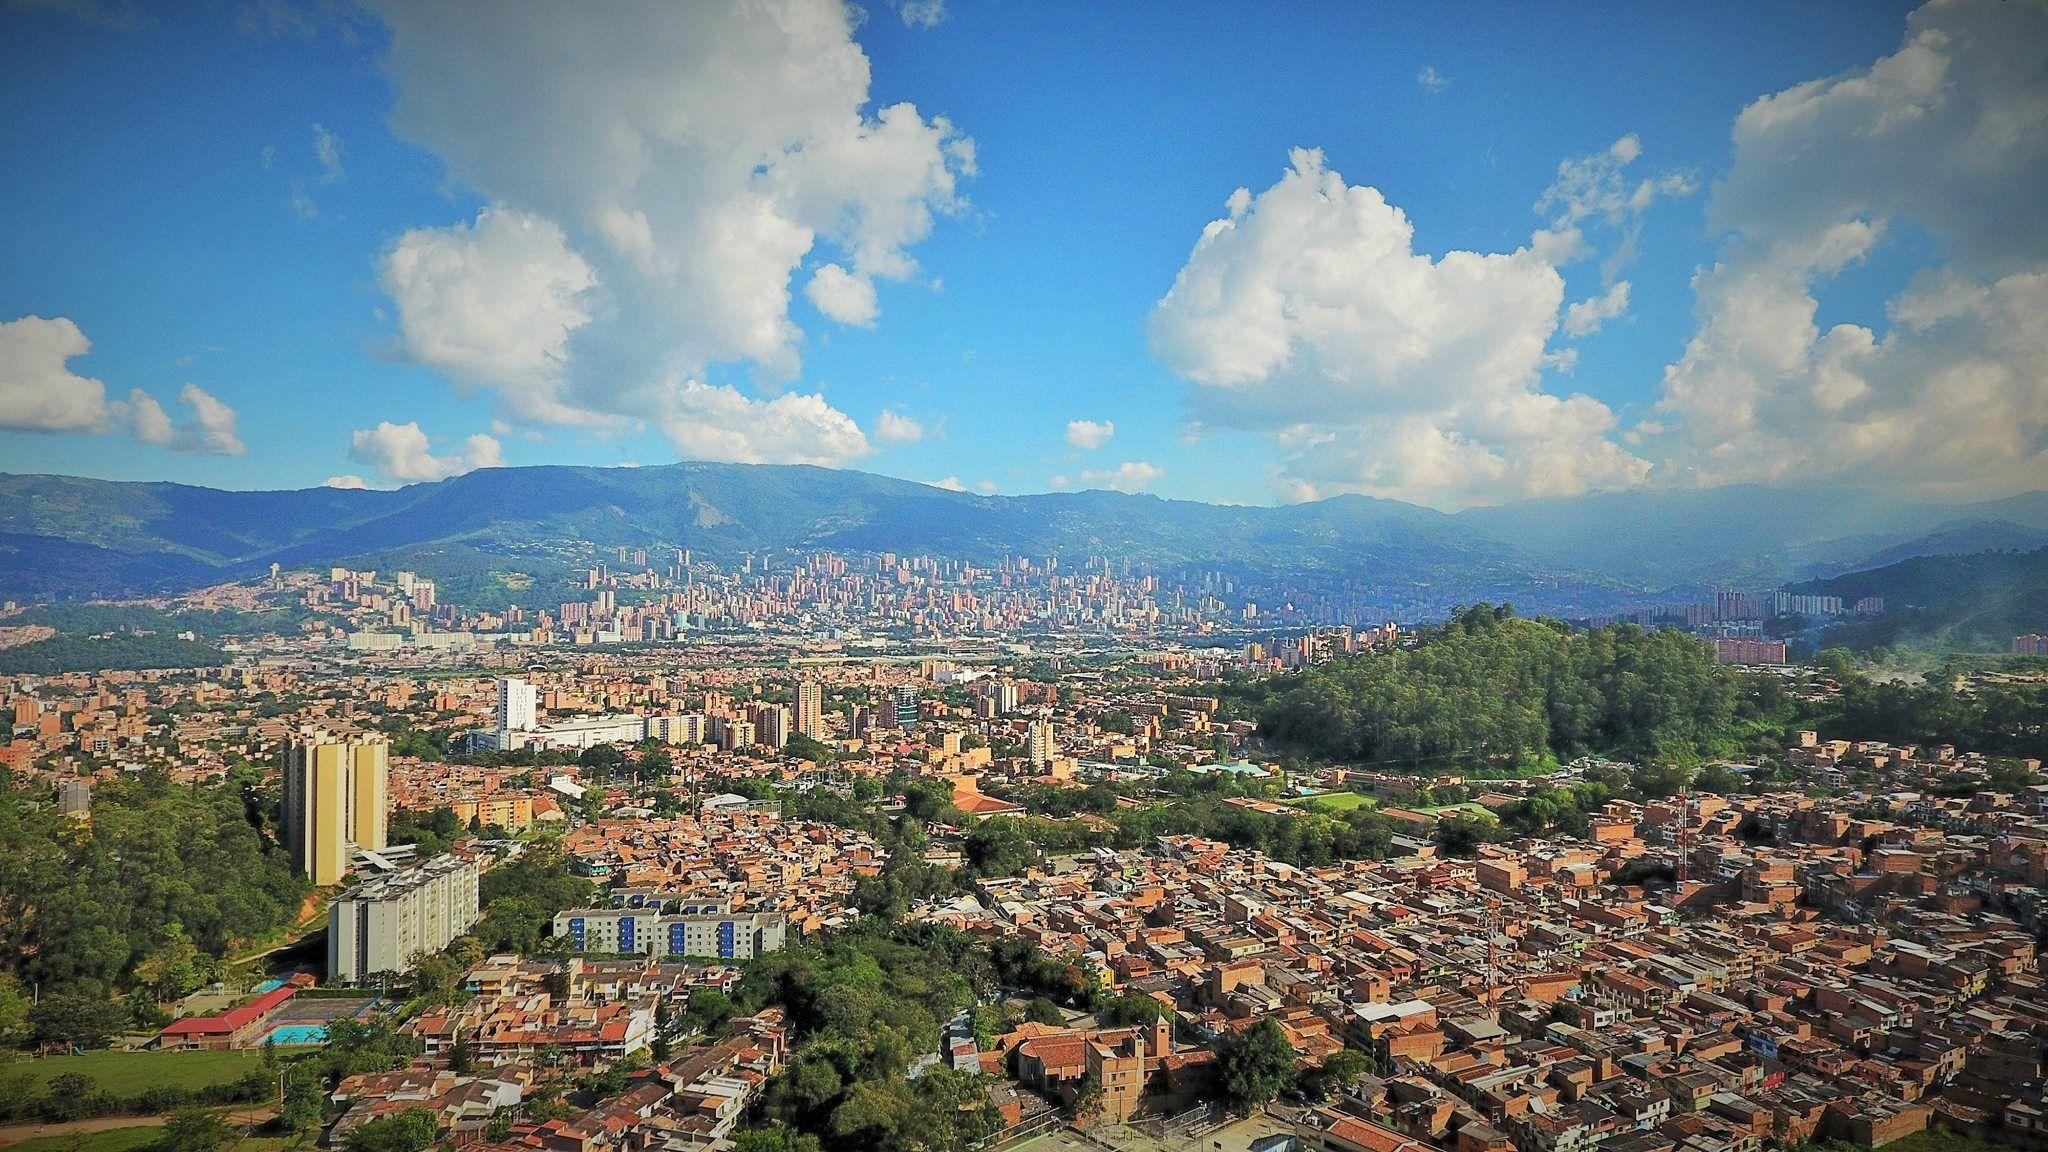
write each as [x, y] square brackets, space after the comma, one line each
[556, 983]
[998, 847]
[412, 1130]
[193, 1130]
[1043, 1011]
[1256, 1064]
[162, 883]
[775, 1138]
[13, 1011]
[1130, 1012]
[170, 971]
[436, 978]
[1719, 779]
[601, 759]
[1343, 1068]
[304, 1103]
[78, 1021]
[709, 1009]
[1088, 1099]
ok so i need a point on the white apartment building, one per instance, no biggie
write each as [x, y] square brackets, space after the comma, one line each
[388, 923]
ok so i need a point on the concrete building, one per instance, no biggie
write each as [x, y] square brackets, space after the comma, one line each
[517, 705]
[1038, 743]
[74, 796]
[1731, 651]
[903, 700]
[688, 728]
[388, 923]
[736, 734]
[730, 936]
[771, 724]
[581, 732]
[810, 710]
[334, 800]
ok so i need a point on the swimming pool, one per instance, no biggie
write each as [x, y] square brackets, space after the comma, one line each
[269, 986]
[285, 1034]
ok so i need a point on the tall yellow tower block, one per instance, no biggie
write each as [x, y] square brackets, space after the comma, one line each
[334, 800]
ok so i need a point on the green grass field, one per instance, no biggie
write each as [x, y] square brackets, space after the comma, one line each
[127, 1073]
[111, 1140]
[1469, 808]
[133, 1140]
[1338, 802]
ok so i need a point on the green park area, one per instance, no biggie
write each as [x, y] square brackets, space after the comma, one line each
[135, 1139]
[1468, 808]
[1338, 802]
[129, 1073]
[109, 1140]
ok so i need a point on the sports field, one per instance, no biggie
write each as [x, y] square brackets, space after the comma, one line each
[128, 1073]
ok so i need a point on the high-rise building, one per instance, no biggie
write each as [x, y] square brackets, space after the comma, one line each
[1737, 651]
[517, 702]
[334, 800]
[810, 710]
[904, 697]
[736, 734]
[771, 724]
[688, 728]
[999, 697]
[389, 922]
[1038, 745]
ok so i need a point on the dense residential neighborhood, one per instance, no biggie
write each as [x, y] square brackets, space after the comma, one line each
[608, 900]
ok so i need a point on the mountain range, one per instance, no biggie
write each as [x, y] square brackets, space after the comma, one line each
[64, 537]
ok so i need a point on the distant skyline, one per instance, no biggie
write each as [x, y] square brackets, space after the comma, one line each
[1197, 251]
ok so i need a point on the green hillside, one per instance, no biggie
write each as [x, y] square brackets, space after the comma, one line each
[1973, 603]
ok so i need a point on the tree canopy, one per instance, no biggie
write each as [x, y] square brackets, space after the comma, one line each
[1491, 689]
[152, 893]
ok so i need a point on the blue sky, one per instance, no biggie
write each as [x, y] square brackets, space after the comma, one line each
[165, 193]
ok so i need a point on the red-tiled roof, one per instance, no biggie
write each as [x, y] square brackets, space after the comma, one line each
[234, 1019]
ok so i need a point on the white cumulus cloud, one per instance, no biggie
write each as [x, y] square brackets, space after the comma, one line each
[1089, 435]
[671, 174]
[40, 393]
[210, 432]
[842, 296]
[38, 390]
[1588, 315]
[494, 303]
[893, 427]
[327, 150]
[1307, 313]
[1596, 190]
[1129, 476]
[347, 481]
[722, 423]
[1947, 390]
[402, 452]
